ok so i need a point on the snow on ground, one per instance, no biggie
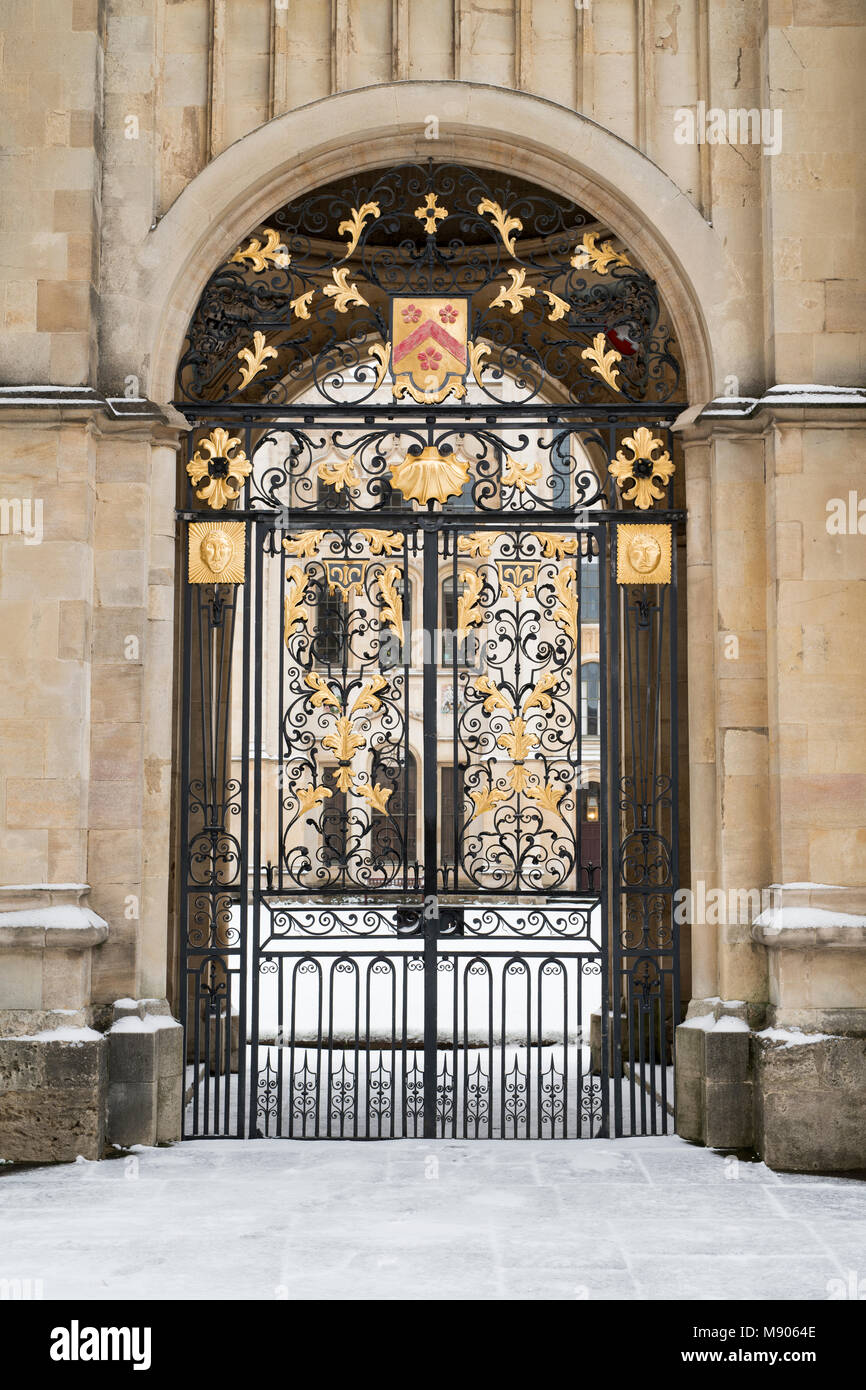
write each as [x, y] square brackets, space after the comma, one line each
[274, 1219]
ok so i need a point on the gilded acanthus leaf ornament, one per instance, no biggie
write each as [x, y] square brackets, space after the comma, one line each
[558, 307]
[255, 358]
[468, 604]
[344, 744]
[603, 362]
[262, 253]
[496, 698]
[505, 225]
[512, 297]
[430, 214]
[300, 306]
[340, 473]
[520, 473]
[554, 546]
[377, 796]
[599, 258]
[323, 694]
[486, 798]
[218, 468]
[477, 354]
[391, 612]
[430, 474]
[368, 696]
[310, 796]
[381, 353]
[637, 475]
[565, 612]
[294, 608]
[519, 743]
[547, 796]
[343, 293]
[477, 543]
[304, 545]
[382, 542]
[539, 697]
[353, 225]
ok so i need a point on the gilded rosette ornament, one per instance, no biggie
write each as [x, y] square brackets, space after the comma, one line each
[218, 468]
[429, 347]
[638, 470]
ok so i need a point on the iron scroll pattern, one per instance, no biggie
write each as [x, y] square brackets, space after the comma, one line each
[515, 658]
[646, 932]
[303, 306]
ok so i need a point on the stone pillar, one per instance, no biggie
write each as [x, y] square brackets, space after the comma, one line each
[87, 561]
[788, 702]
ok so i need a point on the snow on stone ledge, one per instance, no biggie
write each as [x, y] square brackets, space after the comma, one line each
[708, 1023]
[798, 918]
[69, 918]
[793, 1037]
[66, 1035]
[151, 1023]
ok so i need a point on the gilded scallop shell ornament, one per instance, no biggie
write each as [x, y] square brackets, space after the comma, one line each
[430, 474]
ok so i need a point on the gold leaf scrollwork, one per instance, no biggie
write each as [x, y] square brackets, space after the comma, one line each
[599, 257]
[519, 743]
[353, 225]
[344, 744]
[565, 612]
[300, 306]
[339, 473]
[558, 307]
[261, 254]
[342, 293]
[539, 697]
[391, 612]
[519, 473]
[547, 796]
[512, 296]
[294, 608]
[603, 361]
[255, 358]
[368, 696]
[381, 353]
[377, 796]
[217, 469]
[505, 225]
[477, 543]
[477, 354]
[310, 796]
[468, 605]
[637, 475]
[554, 546]
[304, 545]
[486, 798]
[382, 542]
[323, 694]
[496, 698]
[430, 213]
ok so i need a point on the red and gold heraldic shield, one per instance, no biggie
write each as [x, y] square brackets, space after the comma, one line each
[429, 353]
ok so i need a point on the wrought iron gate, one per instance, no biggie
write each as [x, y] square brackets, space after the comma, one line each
[429, 725]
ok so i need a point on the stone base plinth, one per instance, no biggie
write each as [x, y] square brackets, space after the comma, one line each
[52, 1096]
[145, 1093]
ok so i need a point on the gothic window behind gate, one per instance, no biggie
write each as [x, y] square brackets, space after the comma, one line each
[589, 698]
[465, 648]
[393, 652]
[389, 832]
[334, 827]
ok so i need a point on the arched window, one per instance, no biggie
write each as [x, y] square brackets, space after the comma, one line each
[589, 699]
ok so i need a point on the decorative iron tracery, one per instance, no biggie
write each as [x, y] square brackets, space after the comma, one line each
[428, 370]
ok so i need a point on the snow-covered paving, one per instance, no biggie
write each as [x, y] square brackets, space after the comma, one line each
[277, 1219]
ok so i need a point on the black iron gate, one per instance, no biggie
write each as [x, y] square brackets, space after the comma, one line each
[429, 725]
